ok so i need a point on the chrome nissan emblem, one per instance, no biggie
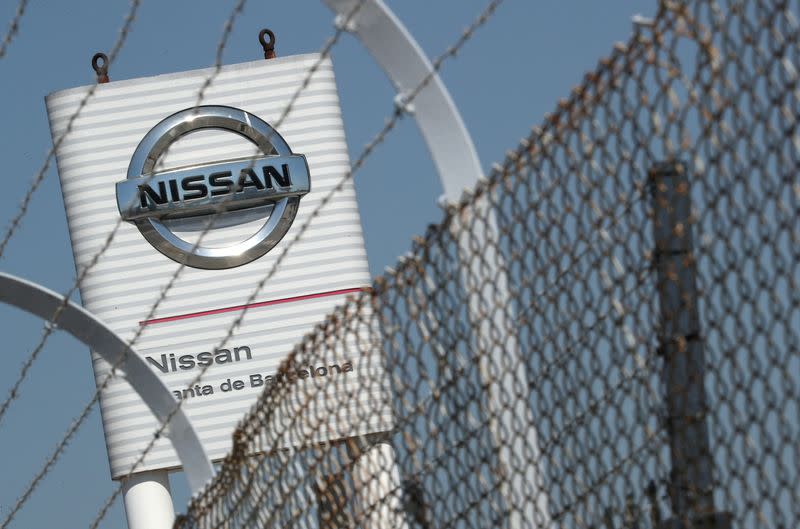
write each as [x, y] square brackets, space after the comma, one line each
[277, 178]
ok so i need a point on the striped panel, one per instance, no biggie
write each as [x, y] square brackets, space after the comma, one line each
[128, 278]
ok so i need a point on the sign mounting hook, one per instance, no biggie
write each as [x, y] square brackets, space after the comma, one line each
[101, 69]
[269, 46]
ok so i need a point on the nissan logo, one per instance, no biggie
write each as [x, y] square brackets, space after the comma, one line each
[277, 177]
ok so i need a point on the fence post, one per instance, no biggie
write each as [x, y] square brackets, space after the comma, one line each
[502, 364]
[681, 346]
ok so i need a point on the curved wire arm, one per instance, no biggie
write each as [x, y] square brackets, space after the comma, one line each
[404, 61]
[84, 326]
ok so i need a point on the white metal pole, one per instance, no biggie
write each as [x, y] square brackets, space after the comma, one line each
[457, 163]
[378, 489]
[456, 160]
[148, 502]
[502, 366]
[399, 55]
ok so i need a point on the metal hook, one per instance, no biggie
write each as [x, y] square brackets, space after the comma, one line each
[100, 69]
[269, 46]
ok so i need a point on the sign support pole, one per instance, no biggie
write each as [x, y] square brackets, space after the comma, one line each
[378, 488]
[148, 501]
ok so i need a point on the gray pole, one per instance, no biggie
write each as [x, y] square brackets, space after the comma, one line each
[691, 486]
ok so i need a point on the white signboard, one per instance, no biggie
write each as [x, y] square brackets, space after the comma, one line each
[142, 156]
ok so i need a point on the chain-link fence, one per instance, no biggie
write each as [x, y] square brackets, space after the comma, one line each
[603, 335]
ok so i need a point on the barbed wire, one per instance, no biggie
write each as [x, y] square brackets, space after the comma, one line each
[226, 32]
[57, 451]
[37, 180]
[396, 115]
[360, 161]
[602, 310]
[40, 174]
[50, 326]
[13, 28]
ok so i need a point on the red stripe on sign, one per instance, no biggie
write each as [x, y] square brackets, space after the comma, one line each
[252, 305]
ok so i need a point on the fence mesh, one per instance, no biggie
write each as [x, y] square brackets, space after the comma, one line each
[603, 334]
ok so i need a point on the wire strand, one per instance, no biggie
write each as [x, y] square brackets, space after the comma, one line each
[49, 326]
[13, 28]
[395, 116]
[379, 138]
[40, 174]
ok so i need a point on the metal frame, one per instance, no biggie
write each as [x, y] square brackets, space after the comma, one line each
[691, 480]
[81, 324]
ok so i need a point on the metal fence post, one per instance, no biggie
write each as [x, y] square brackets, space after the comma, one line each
[681, 346]
[502, 365]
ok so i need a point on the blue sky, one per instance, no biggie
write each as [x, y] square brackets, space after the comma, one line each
[514, 71]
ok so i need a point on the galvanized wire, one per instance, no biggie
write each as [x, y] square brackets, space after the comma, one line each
[648, 234]
[51, 324]
[38, 178]
[390, 123]
[49, 327]
[226, 32]
[13, 27]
